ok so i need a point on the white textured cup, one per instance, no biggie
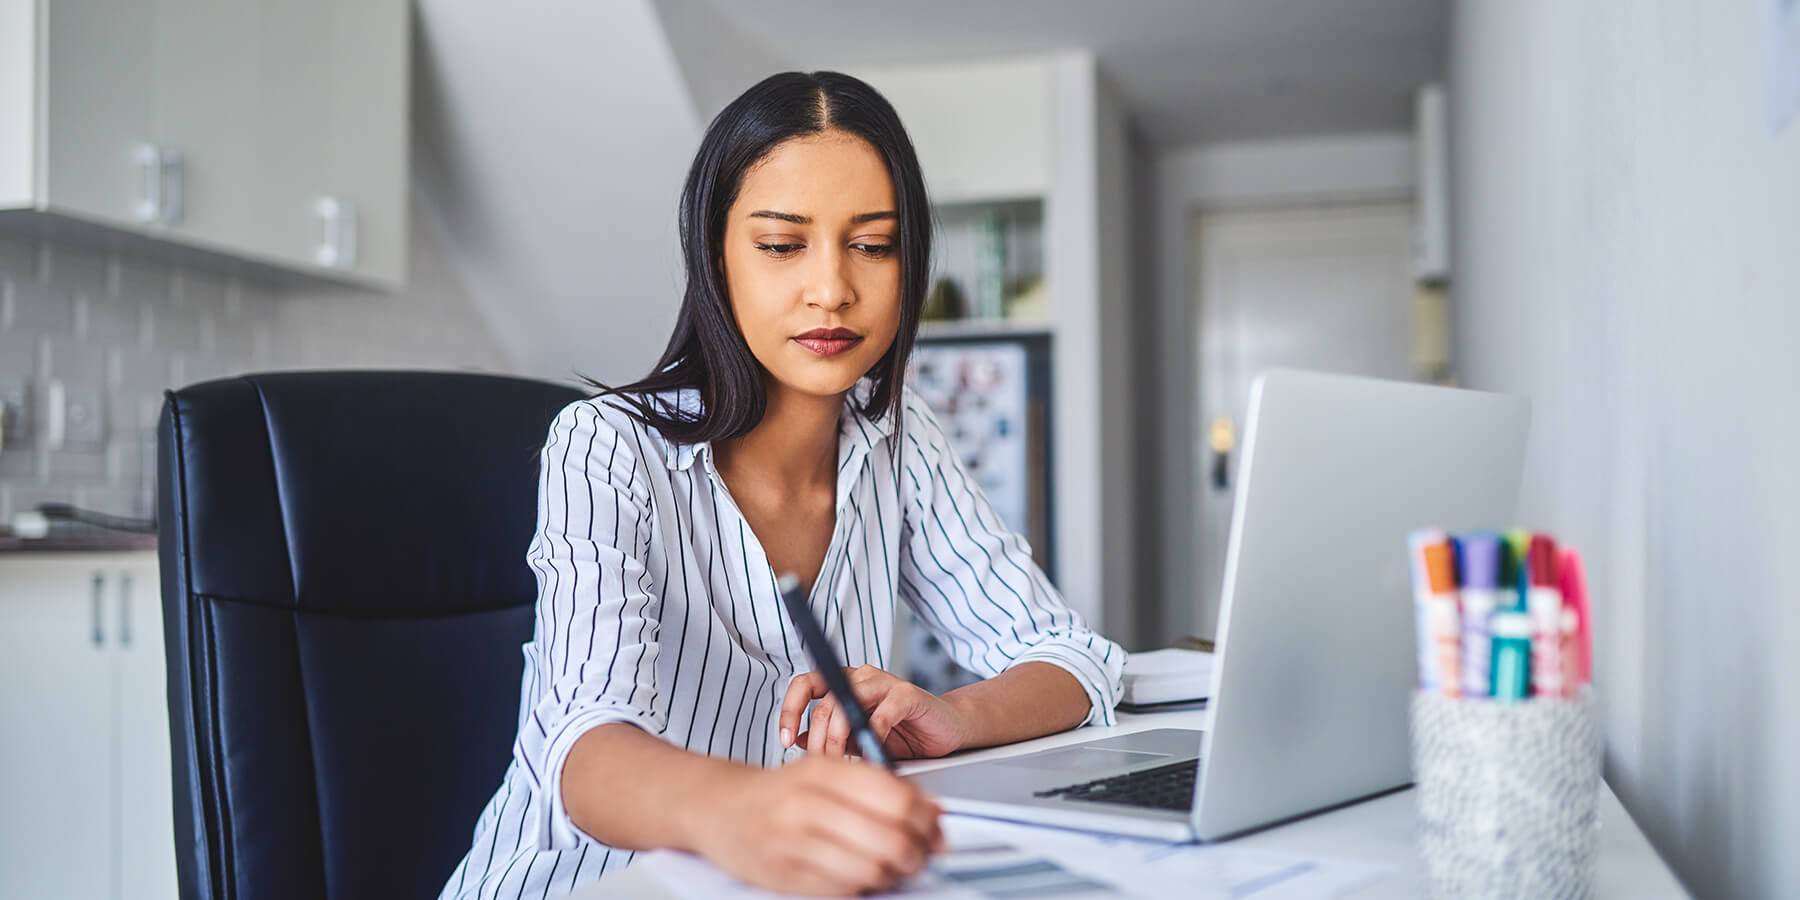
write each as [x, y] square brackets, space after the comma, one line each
[1508, 795]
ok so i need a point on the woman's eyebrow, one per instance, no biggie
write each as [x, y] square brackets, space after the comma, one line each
[797, 219]
[785, 217]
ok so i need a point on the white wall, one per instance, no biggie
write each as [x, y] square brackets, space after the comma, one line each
[984, 129]
[1352, 168]
[430, 324]
[1118, 301]
[1066, 134]
[1627, 254]
[1071, 225]
[1087, 267]
[552, 150]
[718, 60]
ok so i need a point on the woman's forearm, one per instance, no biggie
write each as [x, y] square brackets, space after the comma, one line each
[818, 826]
[1026, 701]
[630, 789]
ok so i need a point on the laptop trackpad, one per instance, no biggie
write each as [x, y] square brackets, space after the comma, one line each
[1086, 759]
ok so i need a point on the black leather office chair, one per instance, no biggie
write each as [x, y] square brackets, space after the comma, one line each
[344, 596]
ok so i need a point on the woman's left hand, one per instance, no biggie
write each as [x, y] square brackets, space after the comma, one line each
[910, 722]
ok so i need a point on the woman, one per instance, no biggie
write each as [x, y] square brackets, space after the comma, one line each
[664, 686]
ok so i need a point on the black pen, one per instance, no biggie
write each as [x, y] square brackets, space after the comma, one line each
[826, 660]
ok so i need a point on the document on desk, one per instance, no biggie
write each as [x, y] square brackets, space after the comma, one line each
[989, 859]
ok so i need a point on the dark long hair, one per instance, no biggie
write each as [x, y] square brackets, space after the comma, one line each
[707, 352]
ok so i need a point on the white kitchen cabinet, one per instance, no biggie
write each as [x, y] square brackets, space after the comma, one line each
[146, 828]
[207, 79]
[96, 111]
[330, 198]
[230, 126]
[84, 744]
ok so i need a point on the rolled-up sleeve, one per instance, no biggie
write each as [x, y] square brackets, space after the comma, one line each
[592, 660]
[972, 580]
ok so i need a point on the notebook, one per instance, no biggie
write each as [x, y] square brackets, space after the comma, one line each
[1161, 678]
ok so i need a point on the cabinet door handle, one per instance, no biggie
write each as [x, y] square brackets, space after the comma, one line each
[149, 160]
[174, 187]
[337, 242]
[161, 177]
[96, 610]
[125, 610]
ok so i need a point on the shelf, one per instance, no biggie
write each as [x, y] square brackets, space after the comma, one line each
[984, 328]
[988, 260]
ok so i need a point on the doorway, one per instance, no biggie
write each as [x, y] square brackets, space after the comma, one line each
[1324, 288]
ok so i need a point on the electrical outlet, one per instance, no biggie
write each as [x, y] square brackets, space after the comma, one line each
[84, 422]
[15, 413]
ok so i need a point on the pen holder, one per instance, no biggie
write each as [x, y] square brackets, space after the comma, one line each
[1508, 795]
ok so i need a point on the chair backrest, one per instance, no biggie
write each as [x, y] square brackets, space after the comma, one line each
[345, 594]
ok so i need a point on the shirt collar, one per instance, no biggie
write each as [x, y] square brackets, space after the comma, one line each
[857, 433]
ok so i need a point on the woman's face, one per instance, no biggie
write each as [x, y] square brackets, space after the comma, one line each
[812, 262]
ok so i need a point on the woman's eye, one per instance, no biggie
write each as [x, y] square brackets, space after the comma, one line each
[875, 251]
[779, 249]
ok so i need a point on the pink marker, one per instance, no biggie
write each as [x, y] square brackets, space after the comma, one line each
[1544, 604]
[1578, 626]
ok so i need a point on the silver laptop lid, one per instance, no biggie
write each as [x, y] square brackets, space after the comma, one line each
[1315, 639]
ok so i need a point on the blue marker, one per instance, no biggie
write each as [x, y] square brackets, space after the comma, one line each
[1511, 627]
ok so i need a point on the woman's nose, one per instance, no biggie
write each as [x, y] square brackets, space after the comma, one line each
[828, 284]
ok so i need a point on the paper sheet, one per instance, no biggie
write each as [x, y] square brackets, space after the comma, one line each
[1154, 869]
[989, 859]
[975, 868]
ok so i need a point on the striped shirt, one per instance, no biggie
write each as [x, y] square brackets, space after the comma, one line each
[656, 606]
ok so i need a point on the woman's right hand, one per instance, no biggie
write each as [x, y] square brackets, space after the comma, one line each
[820, 825]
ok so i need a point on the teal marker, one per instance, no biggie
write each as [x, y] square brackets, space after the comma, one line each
[1510, 628]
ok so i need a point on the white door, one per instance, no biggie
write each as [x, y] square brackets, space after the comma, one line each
[146, 824]
[1325, 288]
[56, 740]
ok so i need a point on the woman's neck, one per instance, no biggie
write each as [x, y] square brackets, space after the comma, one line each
[792, 449]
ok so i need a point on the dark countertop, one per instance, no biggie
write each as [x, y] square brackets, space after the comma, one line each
[97, 541]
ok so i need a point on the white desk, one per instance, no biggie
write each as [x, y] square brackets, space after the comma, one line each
[1379, 830]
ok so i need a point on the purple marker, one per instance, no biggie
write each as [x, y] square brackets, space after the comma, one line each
[1481, 562]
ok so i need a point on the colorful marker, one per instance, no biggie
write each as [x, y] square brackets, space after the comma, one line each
[1510, 627]
[1544, 604]
[1419, 542]
[1445, 617]
[1481, 563]
[1518, 541]
[1578, 626]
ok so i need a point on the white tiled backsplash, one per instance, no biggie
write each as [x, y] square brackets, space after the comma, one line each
[117, 330]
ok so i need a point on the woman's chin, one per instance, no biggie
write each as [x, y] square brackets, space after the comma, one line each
[817, 383]
[822, 377]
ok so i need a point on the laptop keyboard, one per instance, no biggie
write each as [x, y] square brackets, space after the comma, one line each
[1164, 787]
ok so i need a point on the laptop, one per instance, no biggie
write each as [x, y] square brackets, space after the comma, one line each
[1315, 659]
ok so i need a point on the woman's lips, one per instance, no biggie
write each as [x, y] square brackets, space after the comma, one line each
[828, 346]
[828, 341]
